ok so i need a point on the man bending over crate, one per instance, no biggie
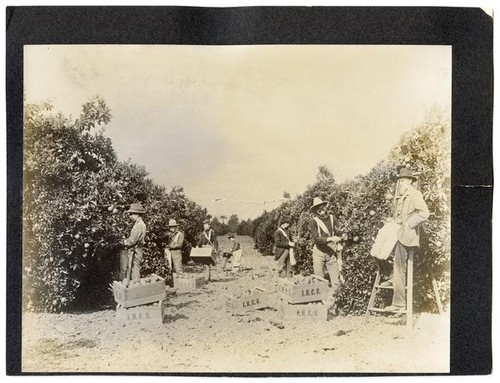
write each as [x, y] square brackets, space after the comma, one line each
[326, 251]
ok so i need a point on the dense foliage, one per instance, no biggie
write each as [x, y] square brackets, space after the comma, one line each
[75, 195]
[245, 227]
[362, 206]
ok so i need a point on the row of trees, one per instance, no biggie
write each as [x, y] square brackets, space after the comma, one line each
[223, 228]
[233, 225]
[363, 204]
[75, 195]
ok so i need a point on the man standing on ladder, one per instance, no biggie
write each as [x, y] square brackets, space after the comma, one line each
[410, 211]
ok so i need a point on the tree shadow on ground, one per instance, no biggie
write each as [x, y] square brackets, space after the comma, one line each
[90, 310]
[172, 318]
[56, 348]
[183, 304]
[187, 293]
[223, 280]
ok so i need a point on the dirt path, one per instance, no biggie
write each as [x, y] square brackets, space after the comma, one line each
[202, 335]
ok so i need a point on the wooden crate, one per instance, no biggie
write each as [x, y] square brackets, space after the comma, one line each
[206, 255]
[258, 298]
[139, 294]
[315, 291]
[309, 312]
[149, 315]
[189, 282]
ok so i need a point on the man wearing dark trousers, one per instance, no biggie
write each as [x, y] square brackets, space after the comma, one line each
[410, 211]
[326, 251]
[283, 246]
[131, 258]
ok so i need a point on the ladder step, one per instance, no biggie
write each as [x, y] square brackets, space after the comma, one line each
[386, 287]
[386, 311]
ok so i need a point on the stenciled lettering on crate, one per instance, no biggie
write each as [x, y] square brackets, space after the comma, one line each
[307, 313]
[316, 311]
[145, 314]
[135, 316]
[315, 291]
[257, 298]
[251, 302]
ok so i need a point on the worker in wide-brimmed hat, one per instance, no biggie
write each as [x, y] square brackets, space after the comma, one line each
[283, 247]
[410, 211]
[173, 250]
[207, 236]
[326, 254]
[131, 260]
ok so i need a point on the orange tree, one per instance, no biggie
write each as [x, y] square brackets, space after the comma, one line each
[74, 196]
[362, 206]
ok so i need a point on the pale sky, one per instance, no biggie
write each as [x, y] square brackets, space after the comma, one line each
[246, 123]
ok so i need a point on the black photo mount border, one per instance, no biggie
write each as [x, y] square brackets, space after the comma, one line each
[469, 31]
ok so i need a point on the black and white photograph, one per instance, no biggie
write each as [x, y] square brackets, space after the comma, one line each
[236, 208]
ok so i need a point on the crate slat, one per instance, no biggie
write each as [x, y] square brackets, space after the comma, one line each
[189, 284]
[379, 310]
[139, 294]
[205, 255]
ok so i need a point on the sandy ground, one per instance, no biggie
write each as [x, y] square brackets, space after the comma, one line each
[201, 335]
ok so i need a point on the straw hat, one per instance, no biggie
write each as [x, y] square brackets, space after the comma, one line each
[317, 202]
[172, 223]
[405, 173]
[285, 219]
[136, 208]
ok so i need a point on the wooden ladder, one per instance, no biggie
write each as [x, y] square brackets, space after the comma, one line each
[409, 295]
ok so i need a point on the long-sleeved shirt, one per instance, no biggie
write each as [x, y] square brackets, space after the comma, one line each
[319, 236]
[236, 246]
[208, 238]
[176, 240]
[137, 235]
[282, 241]
[411, 211]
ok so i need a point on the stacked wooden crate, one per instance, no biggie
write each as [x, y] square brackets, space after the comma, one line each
[187, 282]
[303, 298]
[150, 315]
[141, 301]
